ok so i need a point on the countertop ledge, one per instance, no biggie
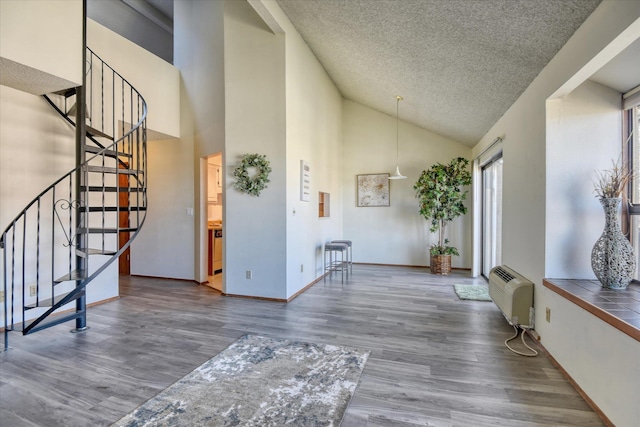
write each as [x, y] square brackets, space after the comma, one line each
[619, 308]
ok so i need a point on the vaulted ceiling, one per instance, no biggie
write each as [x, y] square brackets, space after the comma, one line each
[459, 64]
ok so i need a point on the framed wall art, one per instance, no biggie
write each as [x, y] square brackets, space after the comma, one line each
[305, 181]
[373, 190]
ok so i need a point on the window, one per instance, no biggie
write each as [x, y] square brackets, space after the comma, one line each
[323, 204]
[632, 149]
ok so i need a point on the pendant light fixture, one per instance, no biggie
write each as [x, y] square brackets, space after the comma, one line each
[397, 175]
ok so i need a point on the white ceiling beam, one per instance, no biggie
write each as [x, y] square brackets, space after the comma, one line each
[151, 13]
[266, 15]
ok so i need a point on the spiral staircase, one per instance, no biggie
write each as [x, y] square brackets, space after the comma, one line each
[81, 223]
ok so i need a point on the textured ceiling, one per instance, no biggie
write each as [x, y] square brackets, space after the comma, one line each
[459, 64]
[30, 80]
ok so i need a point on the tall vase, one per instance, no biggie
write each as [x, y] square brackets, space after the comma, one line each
[612, 258]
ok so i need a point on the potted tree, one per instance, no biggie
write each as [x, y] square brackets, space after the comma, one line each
[441, 199]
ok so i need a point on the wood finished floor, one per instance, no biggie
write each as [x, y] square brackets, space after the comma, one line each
[435, 360]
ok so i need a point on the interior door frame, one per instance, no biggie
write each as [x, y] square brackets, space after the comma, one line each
[124, 260]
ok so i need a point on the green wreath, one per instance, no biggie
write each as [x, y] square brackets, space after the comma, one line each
[247, 184]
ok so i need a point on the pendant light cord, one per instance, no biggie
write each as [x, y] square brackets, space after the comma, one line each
[397, 175]
[398, 99]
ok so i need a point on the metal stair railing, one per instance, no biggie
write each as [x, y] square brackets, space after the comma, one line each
[84, 213]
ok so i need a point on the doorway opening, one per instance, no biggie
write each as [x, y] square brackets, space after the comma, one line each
[215, 233]
[124, 261]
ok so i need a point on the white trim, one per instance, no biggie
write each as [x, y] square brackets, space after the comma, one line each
[496, 141]
[617, 45]
[631, 99]
[631, 92]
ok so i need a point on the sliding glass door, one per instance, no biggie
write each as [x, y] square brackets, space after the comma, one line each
[491, 215]
[632, 141]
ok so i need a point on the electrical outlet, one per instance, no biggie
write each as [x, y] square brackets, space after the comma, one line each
[32, 290]
[548, 315]
[249, 274]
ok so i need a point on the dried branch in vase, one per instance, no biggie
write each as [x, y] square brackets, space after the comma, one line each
[610, 183]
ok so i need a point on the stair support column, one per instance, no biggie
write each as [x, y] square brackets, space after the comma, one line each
[82, 241]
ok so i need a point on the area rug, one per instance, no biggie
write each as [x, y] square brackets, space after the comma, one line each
[260, 381]
[472, 292]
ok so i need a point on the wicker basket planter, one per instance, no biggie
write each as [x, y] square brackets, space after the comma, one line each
[440, 264]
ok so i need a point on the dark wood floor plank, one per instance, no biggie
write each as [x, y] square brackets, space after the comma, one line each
[435, 360]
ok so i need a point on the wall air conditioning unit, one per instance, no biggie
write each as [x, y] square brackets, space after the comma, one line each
[513, 294]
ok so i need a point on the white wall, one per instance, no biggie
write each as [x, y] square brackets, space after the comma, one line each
[587, 121]
[313, 134]
[127, 21]
[524, 129]
[167, 219]
[174, 236]
[37, 147]
[397, 234]
[527, 211]
[157, 80]
[164, 247]
[31, 36]
[603, 361]
[254, 227]
[29, 125]
[199, 54]
[249, 117]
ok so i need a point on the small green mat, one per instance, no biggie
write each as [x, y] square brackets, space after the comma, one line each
[472, 292]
